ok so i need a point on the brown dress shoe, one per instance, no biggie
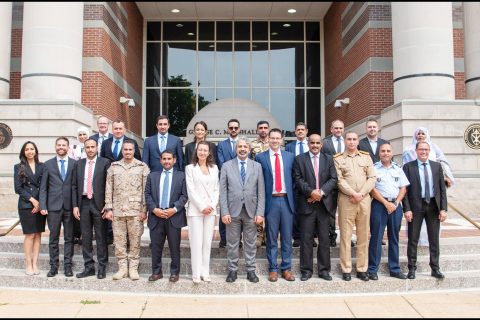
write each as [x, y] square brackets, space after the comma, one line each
[173, 278]
[272, 276]
[288, 275]
[155, 277]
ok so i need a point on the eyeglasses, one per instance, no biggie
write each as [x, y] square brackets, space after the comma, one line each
[423, 149]
[233, 128]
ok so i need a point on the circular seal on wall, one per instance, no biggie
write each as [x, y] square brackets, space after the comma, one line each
[5, 135]
[472, 136]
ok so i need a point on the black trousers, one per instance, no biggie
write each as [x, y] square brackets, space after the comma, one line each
[161, 232]
[318, 221]
[54, 222]
[430, 213]
[91, 219]
[332, 235]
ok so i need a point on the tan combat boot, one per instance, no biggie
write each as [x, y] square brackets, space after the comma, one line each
[133, 274]
[122, 273]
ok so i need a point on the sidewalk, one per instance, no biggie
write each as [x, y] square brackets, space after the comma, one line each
[20, 303]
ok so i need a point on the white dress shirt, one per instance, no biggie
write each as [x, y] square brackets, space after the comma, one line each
[272, 162]
[85, 175]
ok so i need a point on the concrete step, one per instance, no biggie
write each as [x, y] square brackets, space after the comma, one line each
[218, 266]
[218, 286]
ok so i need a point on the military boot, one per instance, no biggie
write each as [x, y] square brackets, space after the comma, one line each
[122, 273]
[133, 274]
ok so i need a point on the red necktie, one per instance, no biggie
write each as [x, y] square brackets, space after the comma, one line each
[278, 174]
[89, 180]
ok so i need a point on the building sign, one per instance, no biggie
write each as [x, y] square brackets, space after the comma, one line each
[5, 135]
[472, 136]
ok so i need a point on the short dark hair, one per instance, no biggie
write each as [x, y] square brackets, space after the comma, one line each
[169, 152]
[263, 122]
[300, 124]
[275, 130]
[371, 120]
[119, 121]
[233, 120]
[161, 117]
[128, 142]
[386, 142]
[419, 142]
[62, 138]
[350, 132]
[90, 139]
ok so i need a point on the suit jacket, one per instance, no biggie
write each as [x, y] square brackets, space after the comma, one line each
[151, 152]
[225, 152]
[106, 151]
[28, 188]
[178, 198]
[413, 199]
[190, 151]
[305, 182]
[201, 195]
[328, 147]
[291, 146]
[99, 179]
[235, 194]
[95, 136]
[288, 159]
[56, 194]
[364, 145]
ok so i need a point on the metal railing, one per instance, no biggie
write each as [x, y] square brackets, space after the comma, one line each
[464, 215]
[10, 229]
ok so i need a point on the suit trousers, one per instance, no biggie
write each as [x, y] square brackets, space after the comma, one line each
[161, 232]
[91, 219]
[350, 215]
[279, 219]
[131, 227]
[430, 213]
[200, 235]
[332, 234]
[234, 230]
[317, 222]
[54, 221]
[379, 219]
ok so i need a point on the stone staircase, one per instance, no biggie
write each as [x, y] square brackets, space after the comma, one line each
[459, 260]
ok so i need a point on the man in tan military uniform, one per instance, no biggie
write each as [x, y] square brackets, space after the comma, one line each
[356, 178]
[126, 207]
[260, 145]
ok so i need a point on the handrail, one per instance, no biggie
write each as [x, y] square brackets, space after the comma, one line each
[10, 229]
[464, 216]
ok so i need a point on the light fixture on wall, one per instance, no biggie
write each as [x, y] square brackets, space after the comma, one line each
[131, 102]
[342, 103]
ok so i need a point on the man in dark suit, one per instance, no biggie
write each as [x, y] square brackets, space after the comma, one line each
[279, 204]
[165, 196]
[371, 143]
[112, 147]
[56, 203]
[426, 199]
[88, 201]
[156, 144]
[103, 134]
[315, 178]
[226, 151]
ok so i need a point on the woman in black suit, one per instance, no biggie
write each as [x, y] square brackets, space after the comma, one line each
[27, 176]
[200, 130]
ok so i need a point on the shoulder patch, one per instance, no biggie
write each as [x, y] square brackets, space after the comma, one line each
[364, 152]
[337, 154]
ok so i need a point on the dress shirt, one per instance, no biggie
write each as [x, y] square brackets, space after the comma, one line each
[231, 144]
[119, 145]
[162, 180]
[342, 143]
[313, 165]
[59, 164]
[101, 140]
[85, 175]
[159, 137]
[272, 163]
[245, 166]
[389, 180]
[297, 146]
[373, 144]
[422, 178]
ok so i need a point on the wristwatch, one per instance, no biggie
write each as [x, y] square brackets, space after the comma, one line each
[396, 203]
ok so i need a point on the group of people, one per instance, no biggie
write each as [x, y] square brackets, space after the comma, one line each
[259, 190]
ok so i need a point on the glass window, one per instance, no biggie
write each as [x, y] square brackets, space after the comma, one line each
[179, 105]
[286, 65]
[312, 31]
[152, 110]
[154, 31]
[206, 30]
[260, 96]
[153, 65]
[183, 30]
[224, 31]
[242, 31]
[179, 64]
[206, 64]
[285, 103]
[287, 30]
[242, 65]
[205, 97]
[224, 70]
[260, 64]
[313, 64]
[260, 30]
[313, 110]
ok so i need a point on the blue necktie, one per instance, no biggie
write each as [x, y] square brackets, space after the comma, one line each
[115, 149]
[242, 171]
[62, 169]
[164, 203]
[339, 145]
[301, 147]
[427, 183]
[162, 143]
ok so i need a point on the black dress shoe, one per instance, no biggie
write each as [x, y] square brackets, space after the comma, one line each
[411, 274]
[240, 244]
[437, 274]
[173, 278]
[52, 273]
[101, 274]
[86, 273]
[222, 244]
[398, 275]
[68, 271]
[296, 243]
[352, 243]
[325, 276]
[333, 243]
[315, 244]
[362, 276]
[373, 276]
[252, 277]
[232, 276]
[305, 276]
[346, 276]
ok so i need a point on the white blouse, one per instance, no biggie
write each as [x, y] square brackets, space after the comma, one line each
[203, 189]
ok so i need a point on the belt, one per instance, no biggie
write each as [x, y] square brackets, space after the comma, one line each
[431, 199]
[84, 196]
[391, 199]
[279, 194]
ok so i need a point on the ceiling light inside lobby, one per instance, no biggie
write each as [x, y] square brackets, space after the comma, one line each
[175, 10]
[286, 25]
[291, 10]
[179, 25]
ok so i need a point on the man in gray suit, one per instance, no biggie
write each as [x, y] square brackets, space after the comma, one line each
[242, 203]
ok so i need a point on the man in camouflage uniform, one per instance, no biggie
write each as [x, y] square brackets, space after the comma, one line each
[259, 145]
[356, 178]
[126, 207]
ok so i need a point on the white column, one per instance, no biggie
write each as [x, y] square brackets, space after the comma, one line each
[52, 50]
[422, 40]
[471, 30]
[5, 46]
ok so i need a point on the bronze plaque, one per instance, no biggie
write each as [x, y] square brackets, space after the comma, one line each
[472, 136]
[5, 135]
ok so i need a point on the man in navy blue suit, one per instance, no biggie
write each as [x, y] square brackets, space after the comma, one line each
[226, 151]
[103, 134]
[156, 144]
[277, 167]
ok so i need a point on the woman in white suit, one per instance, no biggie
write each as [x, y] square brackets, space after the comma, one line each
[203, 194]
